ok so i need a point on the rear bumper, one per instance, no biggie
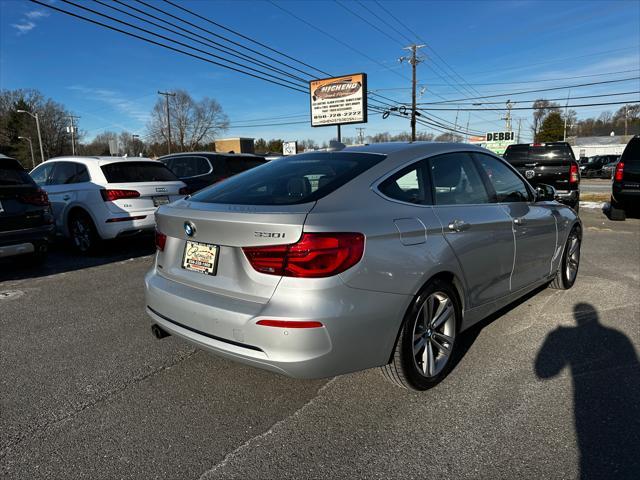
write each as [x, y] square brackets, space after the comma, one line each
[108, 228]
[359, 326]
[625, 196]
[568, 197]
[28, 240]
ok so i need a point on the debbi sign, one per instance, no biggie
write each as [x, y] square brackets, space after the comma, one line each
[338, 100]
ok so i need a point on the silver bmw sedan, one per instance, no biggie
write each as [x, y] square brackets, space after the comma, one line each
[326, 263]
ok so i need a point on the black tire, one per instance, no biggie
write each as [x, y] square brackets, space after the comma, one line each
[83, 233]
[403, 369]
[616, 213]
[565, 278]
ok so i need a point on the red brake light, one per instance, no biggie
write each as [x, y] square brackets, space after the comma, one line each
[161, 240]
[289, 324]
[184, 191]
[619, 175]
[573, 174]
[39, 198]
[314, 255]
[112, 195]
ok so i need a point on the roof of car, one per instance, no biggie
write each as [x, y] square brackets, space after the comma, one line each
[416, 147]
[224, 154]
[101, 160]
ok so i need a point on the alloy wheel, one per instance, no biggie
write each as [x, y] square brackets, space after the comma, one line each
[573, 257]
[434, 334]
[81, 234]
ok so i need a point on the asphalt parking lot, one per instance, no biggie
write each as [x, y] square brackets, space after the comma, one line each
[547, 389]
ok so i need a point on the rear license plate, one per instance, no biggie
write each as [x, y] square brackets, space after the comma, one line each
[200, 257]
[157, 201]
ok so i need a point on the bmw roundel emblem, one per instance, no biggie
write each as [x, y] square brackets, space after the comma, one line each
[189, 229]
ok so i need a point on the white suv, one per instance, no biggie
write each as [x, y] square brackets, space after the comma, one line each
[99, 198]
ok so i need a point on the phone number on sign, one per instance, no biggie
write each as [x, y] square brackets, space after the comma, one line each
[338, 115]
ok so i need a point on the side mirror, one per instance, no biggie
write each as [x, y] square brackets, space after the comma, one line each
[545, 193]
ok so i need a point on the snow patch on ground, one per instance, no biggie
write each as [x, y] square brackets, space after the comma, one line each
[598, 205]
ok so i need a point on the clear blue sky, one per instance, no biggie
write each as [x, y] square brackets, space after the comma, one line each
[111, 80]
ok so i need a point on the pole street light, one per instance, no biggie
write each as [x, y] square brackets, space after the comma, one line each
[33, 161]
[38, 127]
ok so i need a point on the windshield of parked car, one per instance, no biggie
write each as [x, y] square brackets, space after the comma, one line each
[291, 180]
[132, 172]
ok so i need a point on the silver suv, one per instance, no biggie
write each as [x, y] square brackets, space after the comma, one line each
[330, 262]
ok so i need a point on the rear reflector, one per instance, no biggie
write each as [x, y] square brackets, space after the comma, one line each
[573, 174]
[112, 195]
[289, 324]
[619, 175]
[315, 255]
[125, 219]
[39, 198]
[161, 240]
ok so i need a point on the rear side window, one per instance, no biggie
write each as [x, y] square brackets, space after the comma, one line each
[12, 173]
[292, 180]
[42, 173]
[132, 172]
[185, 167]
[520, 154]
[407, 185]
[631, 152]
[508, 186]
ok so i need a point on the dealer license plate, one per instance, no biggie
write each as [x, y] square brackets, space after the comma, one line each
[162, 200]
[200, 257]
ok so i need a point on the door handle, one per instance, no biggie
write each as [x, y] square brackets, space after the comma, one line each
[458, 225]
[519, 221]
[66, 197]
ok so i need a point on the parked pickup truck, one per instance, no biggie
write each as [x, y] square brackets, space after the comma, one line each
[548, 163]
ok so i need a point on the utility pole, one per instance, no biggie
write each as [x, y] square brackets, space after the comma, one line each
[166, 97]
[72, 130]
[33, 161]
[35, 115]
[134, 137]
[413, 60]
[507, 117]
[519, 128]
[566, 106]
[360, 134]
[467, 129]
[626, 114]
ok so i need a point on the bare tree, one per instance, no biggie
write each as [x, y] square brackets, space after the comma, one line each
[193, 123]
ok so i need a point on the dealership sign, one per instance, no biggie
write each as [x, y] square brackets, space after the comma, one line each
[338, 100]
[289, 148]
[498, 142]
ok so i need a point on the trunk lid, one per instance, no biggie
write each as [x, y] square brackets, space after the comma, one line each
[229, 228]
[151, 195]
[543, 163]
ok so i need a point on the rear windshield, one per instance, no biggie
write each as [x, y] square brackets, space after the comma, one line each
[132, 172]
[632, 151]
[516, 154]
[291, 180]
[11, 173]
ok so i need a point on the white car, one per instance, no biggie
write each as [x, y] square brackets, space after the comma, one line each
[100, 198]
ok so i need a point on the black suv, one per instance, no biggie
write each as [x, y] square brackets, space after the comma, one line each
[593, 166]
[551, 164]
[201, 169]
[26, 223]
[625, 189]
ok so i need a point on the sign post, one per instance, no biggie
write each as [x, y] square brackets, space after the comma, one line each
[338, 101]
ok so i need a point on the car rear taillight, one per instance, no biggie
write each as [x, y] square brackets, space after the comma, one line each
[619, 175]
[161, 240]
[39, 198]
[573, 174]
[112, 195]
[315, 255]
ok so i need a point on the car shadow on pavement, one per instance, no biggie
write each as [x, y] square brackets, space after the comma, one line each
[606, 392]
[63, 258]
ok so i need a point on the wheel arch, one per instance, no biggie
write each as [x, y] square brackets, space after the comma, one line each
[74, 210]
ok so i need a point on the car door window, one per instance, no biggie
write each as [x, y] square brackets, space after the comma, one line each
[63, 173]
[42, 173]
[456, 181]
[407, 185]
[508, 186]
[186, 166]
[81, 175]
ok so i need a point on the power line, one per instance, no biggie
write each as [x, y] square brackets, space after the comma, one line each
[149, 32]
[242, 36]
[551, 99]
[520, 108]
[534, 91]
[169, 47]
